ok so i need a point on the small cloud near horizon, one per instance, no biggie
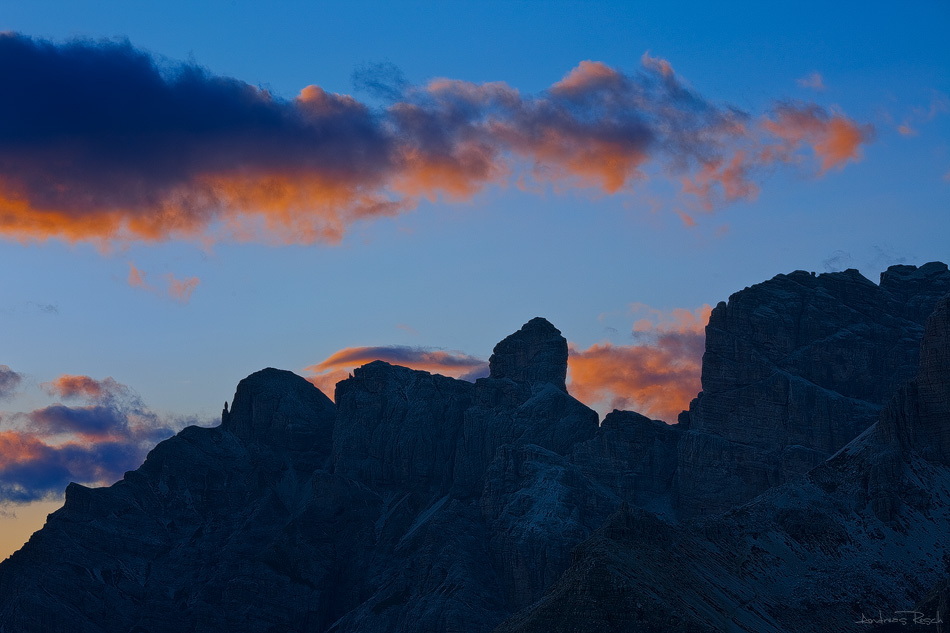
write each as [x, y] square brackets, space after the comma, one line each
[657, 376]
[838, 261]
[336, 367]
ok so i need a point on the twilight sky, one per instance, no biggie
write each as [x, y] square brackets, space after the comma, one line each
[190, 194]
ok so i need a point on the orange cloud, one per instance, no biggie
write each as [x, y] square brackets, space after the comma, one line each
[657, 377]
[326, 381]
[920, 116]
[81, 386]
[18, 447]
[407, 328]
[136, 277]
[181, 289]
[732, 178]
[177, 289]
[198, 157]
[94, 443]
[677, 320]
[338, 365]
[585, 76]
[834, 139]
[657, 64]
[687, 219]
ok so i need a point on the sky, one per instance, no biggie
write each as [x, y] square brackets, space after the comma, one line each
[192, 192]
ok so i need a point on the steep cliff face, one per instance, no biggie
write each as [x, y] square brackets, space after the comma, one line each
[534, 355]
[399, 428]
[866, 535]
[794, 369]
[634, 458]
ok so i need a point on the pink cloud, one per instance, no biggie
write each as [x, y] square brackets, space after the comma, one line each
[81, 386]
[179, 290]
[834, 138]
[136, 277]
[338, 365]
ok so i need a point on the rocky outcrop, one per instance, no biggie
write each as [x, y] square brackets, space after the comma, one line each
[865, 536]
[522, 401]
[536, 354]
[794, 369]
[280, 409]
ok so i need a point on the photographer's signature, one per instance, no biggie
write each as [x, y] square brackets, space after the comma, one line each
[903, 618]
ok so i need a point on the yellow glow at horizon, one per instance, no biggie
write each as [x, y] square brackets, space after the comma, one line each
[21, 522]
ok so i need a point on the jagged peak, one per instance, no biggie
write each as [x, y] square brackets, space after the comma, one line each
[535, 354]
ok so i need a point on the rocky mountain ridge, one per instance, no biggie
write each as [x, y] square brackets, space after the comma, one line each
[423, 503]
[865, 533]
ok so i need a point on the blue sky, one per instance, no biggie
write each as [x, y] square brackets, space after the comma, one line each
[460, 275]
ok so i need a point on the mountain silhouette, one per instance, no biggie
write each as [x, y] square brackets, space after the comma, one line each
[807, 487]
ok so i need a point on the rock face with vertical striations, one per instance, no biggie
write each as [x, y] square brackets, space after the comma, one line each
[865, 535]
[794, 369]
[534, 355]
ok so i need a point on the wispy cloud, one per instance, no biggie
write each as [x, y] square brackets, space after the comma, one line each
[338, 365]
[137, 278]
[177, 289]
[920, 116]
[838, 261]
[834, 139]
[180, 289]
[108, 145]
[71, 386]
[814, 81]
[9, 381]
